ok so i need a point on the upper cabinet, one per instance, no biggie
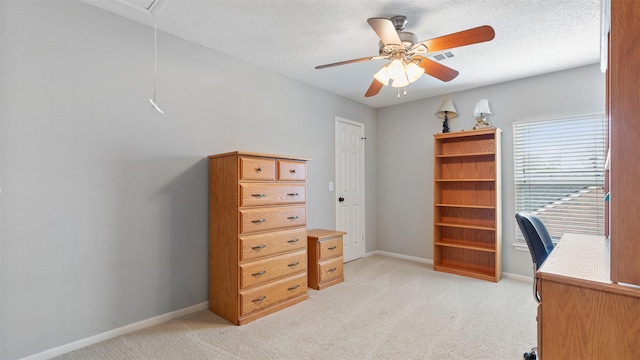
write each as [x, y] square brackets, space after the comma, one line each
[623, 103]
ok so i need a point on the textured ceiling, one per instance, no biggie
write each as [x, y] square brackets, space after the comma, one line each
[291, 37]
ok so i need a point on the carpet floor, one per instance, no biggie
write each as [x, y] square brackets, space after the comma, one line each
[387, 308]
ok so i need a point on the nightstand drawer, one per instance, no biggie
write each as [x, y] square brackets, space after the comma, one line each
[330, 269]
[257, 169]
[330, 248]
[253, 220]
[271, 194]
[261, 271]
[289, 170]
[261, 245]
[263, 296]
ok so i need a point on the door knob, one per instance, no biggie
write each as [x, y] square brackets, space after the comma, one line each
[341, 199]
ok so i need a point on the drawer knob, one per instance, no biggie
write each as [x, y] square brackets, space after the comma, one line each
[258, 195]
[259, 168]
[294, 264]
[258, 247]
[332, 269]
[293, 287]
[293, 241]
[332, 248]
[293, 171]
[293, 217]
[259, 299]
[259, 273]
[292, 194]
[258, 221]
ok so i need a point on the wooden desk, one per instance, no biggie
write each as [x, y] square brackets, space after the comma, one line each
[582, 315]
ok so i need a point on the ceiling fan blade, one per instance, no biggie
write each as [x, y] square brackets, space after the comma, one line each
[385, 30]
[466, 37]
[374, 89]
[350, 61]
[436, 69]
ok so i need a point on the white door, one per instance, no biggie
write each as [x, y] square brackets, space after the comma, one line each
[350, 186]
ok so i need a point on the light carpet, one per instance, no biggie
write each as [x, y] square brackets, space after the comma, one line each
[387, 308]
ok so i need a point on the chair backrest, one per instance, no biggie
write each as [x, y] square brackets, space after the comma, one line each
[537, 237]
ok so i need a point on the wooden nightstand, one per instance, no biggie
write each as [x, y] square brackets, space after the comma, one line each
[324, 251]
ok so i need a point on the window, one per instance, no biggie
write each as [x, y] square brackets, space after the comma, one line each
[559, 173]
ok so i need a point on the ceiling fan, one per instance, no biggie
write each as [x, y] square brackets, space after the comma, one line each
[406, 53]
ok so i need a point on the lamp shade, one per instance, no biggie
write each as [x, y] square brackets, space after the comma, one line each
[448, 108]
[382, 76]
[395, 69]
[482, 108]
[401, 81]
[414, 72]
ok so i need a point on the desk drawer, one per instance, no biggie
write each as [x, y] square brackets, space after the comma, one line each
[330, 248]
[330, 269]
[272, 293]
[271, 194]
[261, 271]
[253, 220]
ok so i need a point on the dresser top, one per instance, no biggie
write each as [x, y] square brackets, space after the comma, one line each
[255, 154]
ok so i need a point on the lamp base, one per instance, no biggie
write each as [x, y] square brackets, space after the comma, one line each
[445, 125]
[481, 123]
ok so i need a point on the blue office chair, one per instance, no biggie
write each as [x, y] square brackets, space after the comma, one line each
[540, 246]
[538, 240]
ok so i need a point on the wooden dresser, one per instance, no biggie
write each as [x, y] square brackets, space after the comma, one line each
[582, 314]
[257, 234]
[325, 258]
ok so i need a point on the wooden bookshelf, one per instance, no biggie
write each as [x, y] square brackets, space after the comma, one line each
[467, 229]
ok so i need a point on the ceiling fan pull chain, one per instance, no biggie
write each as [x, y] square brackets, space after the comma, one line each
[398, 93]
[405, 91]
[155, 63]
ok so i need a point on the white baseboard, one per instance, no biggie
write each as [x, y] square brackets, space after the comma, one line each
[528, 279]
[60, 350]
[430, 262]
[400, 256]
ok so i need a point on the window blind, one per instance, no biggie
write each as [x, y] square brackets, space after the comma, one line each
[559, 173]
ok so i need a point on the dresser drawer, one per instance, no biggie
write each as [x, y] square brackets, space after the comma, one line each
[253, 220]
[270, 194]
[262, 169]
[289, 170]
[330, 248]
[330, 269]
[261, 245]
[272, 293]
[261, 271]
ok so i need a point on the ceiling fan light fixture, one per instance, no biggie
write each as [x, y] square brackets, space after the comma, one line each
[402, 81]
[414, 72]
[382, 76]
[395, 69]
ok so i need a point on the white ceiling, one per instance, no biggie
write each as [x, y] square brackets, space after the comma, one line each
[291, 37]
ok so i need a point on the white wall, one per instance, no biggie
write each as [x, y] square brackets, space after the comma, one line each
[103, 209]
[405, 153]
[104, 202]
